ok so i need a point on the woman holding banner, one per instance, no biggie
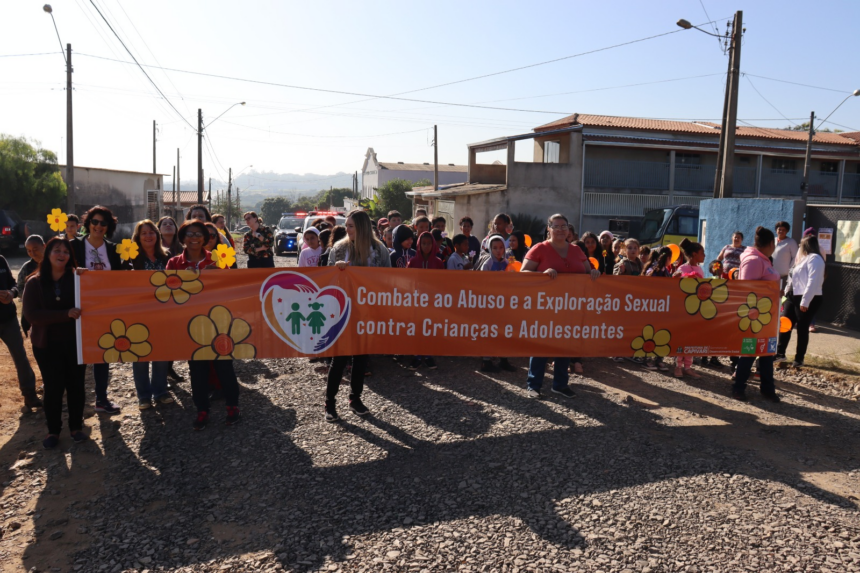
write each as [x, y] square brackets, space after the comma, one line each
[360, 248]
[194, 235]
[756, 266]
[552, 257]
[49, 305]
[94, 252]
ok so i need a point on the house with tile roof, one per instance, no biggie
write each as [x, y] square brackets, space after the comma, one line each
[595, 168]
[374, 173]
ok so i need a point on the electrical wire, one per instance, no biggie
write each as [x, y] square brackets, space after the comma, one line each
[768, 101]
[38, 54]
[139, 65]
[798, 84]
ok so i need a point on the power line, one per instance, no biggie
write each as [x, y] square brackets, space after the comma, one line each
[324, 136]
[24, 55]
[139, 65]
[768, 102]
[843, 92]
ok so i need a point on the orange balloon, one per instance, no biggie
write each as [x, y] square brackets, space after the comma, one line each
[528, 241]
[593, 262]
[785, 324]
[514, 267]
[676, 252]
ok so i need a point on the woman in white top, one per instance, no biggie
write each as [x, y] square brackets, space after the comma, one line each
[803, 292]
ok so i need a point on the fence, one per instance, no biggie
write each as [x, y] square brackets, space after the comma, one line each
[631, 204]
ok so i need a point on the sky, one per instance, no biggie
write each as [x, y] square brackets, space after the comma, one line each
[381, 48]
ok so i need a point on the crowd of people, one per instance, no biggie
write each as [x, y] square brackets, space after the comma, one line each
[45, 284]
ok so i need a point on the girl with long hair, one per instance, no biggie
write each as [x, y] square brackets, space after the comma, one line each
[360, 248]
[803, 297]
[49, 305]
[169, 240]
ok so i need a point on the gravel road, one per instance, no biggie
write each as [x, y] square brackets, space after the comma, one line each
[454, 470]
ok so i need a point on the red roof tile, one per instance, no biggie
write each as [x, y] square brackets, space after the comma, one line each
[692, 127]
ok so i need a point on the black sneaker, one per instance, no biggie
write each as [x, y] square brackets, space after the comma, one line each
[107, 408]
[505, 365]
[714, 361]
[416, 364]
[771, 397]
[487, 366]
[431, 364]
[532, 393]
[357, 406]
[79, 437]
[201, 421]
[566, 392]
[797, 364]
[779, 358]
[739, 396]
[330, 412]
[233, 417]
[51, 442]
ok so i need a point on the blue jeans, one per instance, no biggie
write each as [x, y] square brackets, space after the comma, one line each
[101, 374]
[147, 390]
[765, 368]
[537, 367]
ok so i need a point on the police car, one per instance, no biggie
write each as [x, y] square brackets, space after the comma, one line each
[339, 218]
[287, 233]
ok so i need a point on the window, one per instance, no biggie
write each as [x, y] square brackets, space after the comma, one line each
[551, 151]
[829, 167]
[780, 164]
[688, 159]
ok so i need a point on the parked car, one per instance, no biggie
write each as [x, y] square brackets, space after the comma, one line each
[339, 218]
[243, 229]
[669, 225]
[286, 235]
[13, 231]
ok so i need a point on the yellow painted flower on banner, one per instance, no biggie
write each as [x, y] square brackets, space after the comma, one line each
[221, 336]
[179, 285]
[127, 250]
[57, 220]
[123, 344]
[704, 295]
[225, 256]
[651, 344]
[755, 314]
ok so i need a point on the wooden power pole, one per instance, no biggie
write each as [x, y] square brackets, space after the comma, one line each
[178, 196]
[229, 196]
[199, 155]
[730, 114]
[805, 186]
[435, 160]
[153, 148]
[70, 139]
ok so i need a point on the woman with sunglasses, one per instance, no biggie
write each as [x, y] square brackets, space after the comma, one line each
[258, 243]
[552, 257]
[49, 305]
[194, 235]
[95, 252]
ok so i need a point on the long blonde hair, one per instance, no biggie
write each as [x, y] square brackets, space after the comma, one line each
[361, 249]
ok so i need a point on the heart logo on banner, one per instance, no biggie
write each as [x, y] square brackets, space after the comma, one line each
[303, 315]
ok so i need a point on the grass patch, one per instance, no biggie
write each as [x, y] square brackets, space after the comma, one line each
[832, 365]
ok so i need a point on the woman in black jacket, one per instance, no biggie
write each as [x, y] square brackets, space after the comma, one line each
[94, 252]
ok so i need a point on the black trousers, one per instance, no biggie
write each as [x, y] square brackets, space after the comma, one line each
[335, 374]
[261, 262]
[801, 320]
[61, 374]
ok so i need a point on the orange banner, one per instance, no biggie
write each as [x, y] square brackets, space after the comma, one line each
[271, 313]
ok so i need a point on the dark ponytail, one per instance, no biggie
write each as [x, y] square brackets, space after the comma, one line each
[763, 237]
[689, 247]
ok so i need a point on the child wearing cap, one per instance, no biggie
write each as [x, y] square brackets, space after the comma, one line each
[310, 256]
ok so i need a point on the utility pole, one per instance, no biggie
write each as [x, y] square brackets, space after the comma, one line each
[174, 188]
[199, 155]
[229, 203]
[153, 148]
[210, 193]
[70, 142]
[718, 172]
[178, 196]
[238, 202]
[731, 113]
[805, 186]
[435, 160]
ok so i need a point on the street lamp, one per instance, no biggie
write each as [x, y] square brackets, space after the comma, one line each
[200, 147]
[723, 181]
[70, 143]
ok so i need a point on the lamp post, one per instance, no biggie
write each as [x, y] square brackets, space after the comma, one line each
[723, 181]
[70, 142]
[805, 185]
[200, 128]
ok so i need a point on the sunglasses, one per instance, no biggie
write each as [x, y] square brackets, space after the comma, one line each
[194, 234]
[99, 222]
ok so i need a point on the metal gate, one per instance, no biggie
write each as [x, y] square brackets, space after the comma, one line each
[841, 292]
[446, 209]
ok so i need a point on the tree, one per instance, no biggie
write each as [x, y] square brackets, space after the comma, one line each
[273, 207]
[805, 127]
[30, 180]
[219, 206]
[422, 183]
[330, 198]
[392, 196]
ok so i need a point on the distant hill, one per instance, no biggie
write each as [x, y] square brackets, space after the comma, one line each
[270, 183]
